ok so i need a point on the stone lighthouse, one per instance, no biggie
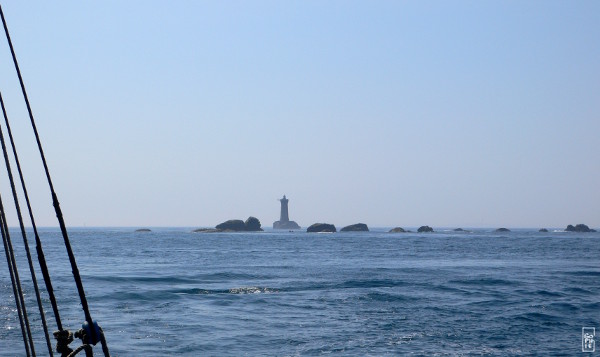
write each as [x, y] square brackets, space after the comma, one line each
[284, 218]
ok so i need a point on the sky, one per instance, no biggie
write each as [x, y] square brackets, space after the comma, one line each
[389, 113]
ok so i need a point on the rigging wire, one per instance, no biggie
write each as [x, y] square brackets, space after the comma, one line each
[7, 251]
[55, 202]
[96, 333]
[16, 281]
[22, 226]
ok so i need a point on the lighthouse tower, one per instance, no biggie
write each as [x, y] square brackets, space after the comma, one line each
[284, 217]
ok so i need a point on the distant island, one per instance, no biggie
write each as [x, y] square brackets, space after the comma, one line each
[252, 224]
[321, 228]
[358, 227]
[424, 229]
[579, 228]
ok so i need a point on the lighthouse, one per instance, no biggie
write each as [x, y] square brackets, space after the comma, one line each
[284, 217]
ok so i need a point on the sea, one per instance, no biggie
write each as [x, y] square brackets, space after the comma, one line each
[173, 292]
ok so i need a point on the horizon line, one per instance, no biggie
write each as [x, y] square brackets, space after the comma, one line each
[304, 227]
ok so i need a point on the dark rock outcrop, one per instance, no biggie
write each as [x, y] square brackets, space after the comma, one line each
[423, 229]
[321, 227]
[252, 224]
[232, 225]
[143, 230]
[543, 230]
[502, 230]
[397, 230]
[285, 225]
[358, 227]
[582, 228]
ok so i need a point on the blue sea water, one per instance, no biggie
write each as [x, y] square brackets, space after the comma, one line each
[174, 292]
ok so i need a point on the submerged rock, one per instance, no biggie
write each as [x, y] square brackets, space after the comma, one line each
[502, 230]
[358, 227]
[460, 230]
[397, 230]
[207, 230]
[321, 227]
[423, 229]
[579, 228]
[543, 230]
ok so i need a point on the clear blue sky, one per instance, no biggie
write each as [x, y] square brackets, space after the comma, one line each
[391, 113]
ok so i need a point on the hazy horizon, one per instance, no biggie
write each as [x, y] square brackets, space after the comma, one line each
[188, 114]
[269, 227]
